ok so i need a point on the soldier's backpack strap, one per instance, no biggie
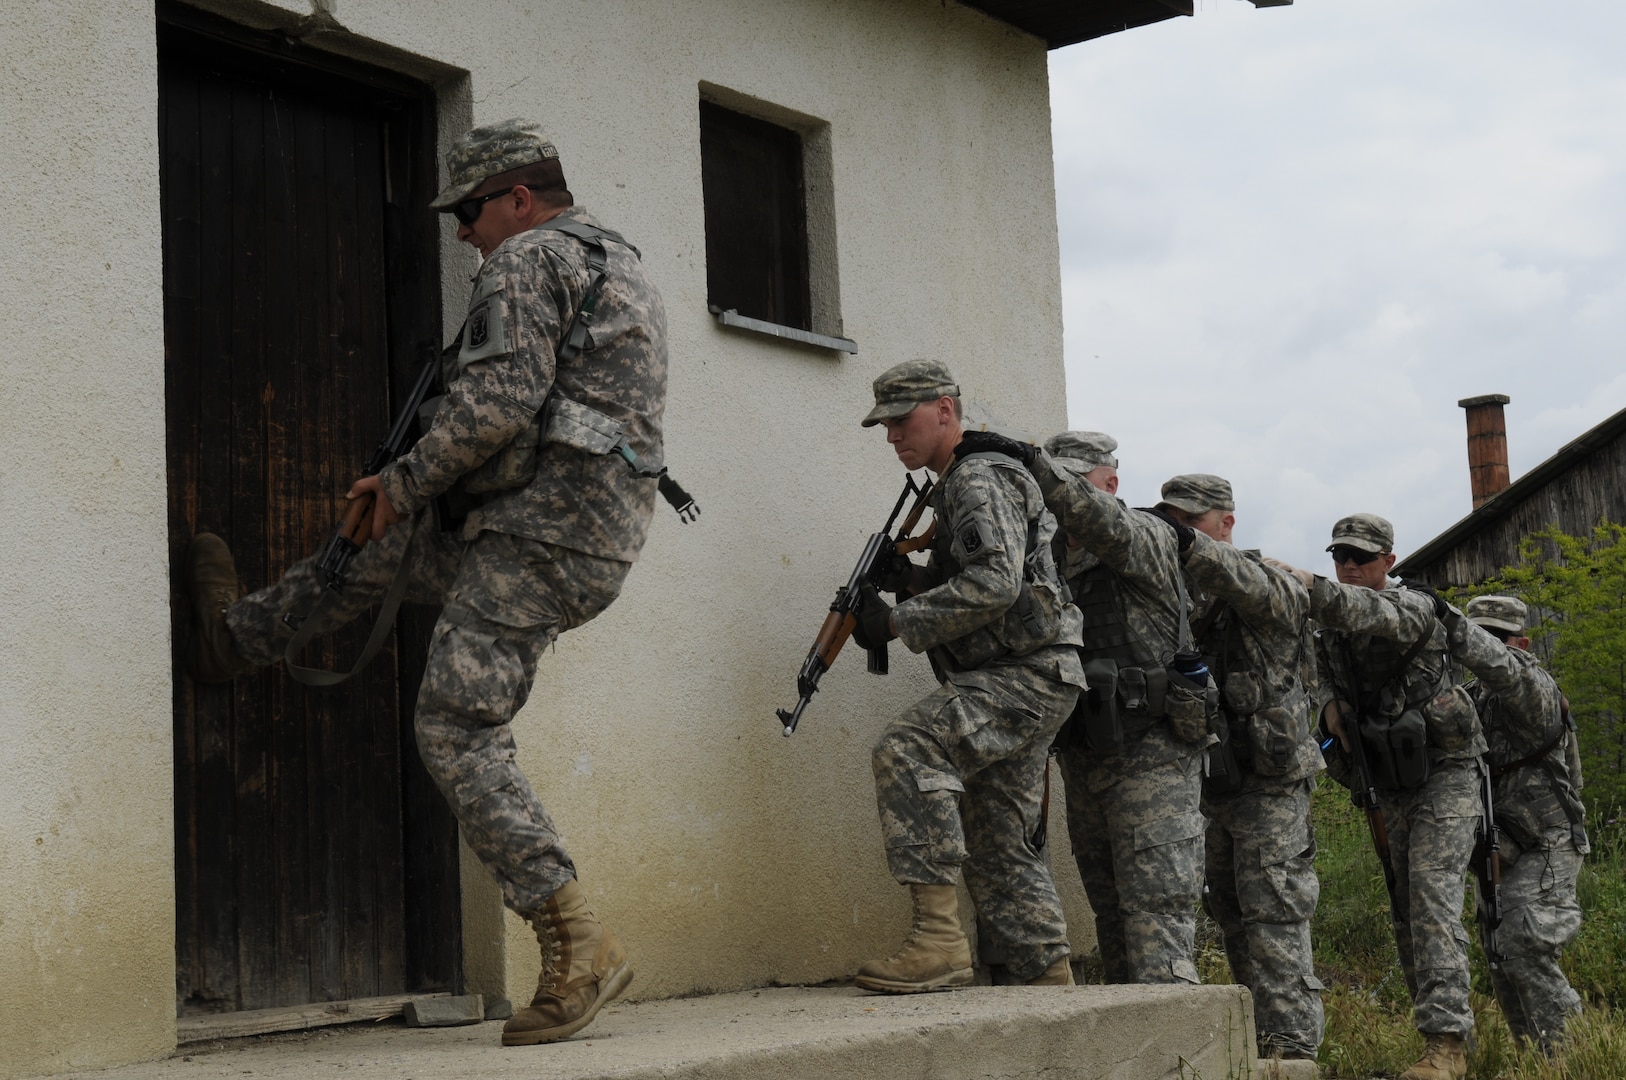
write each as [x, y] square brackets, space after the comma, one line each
[574, 341]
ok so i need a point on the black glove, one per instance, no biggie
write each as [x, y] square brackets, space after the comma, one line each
[893, 573]
[874, 619]
[1184, 535]
[992, 442]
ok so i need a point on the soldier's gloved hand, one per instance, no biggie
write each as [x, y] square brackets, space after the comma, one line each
[874, 619]
[893, 574]
[1184, 535]
[1443, 610]
[992, 442]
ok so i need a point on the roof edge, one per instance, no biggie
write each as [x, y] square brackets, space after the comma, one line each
[1507, 500]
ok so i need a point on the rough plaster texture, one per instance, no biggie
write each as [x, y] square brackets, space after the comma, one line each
[724, 855]
[1087, 1033]
[86, 870]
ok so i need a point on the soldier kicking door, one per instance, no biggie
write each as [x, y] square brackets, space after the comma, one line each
[314, 860]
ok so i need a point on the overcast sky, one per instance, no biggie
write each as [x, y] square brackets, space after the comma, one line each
[1292, 238]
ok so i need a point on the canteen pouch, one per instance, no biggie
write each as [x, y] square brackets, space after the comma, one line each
[1187, 704]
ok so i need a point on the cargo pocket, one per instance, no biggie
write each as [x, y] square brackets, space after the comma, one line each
[1168, 856]
[1287, 874]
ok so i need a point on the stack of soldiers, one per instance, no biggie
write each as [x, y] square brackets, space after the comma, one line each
[1174, 675]
[1217, 685]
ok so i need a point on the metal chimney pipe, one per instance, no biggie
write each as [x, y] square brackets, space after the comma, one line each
[1487, 446]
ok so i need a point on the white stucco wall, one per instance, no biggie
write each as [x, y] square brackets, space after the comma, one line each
[723, 854]
[87, 954]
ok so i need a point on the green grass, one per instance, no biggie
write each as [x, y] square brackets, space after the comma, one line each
[1369, 1027]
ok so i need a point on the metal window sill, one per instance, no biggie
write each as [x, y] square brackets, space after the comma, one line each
[788, 333]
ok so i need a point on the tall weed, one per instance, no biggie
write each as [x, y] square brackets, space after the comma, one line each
[1369, 1018]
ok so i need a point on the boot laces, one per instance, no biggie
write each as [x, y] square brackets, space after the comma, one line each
[547, 932]
[916, 928]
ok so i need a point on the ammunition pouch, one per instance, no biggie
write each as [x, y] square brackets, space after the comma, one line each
[1396, 750]
[1452, 720]
[1189, 705]
[1122, 704]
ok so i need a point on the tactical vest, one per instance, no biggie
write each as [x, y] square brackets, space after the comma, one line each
[1033, 621]
[1259, 727]
[1526, 811]
[1413, 716]
[561, 421]
[1129, 681]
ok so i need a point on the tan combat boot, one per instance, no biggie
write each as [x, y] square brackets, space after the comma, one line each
[1058, 974]
[211, 577]
[583, 968]
[935, 955]
[1445, 1058]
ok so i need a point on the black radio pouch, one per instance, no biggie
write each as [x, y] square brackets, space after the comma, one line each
[1397, 750]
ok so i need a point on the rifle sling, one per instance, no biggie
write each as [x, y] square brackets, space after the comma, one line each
[1500, 771]
[311, 676]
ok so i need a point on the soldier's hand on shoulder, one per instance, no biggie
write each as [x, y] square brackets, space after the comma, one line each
[992, 442]
[1306, 578]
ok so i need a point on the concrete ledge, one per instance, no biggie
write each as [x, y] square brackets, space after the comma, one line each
[981, 1033]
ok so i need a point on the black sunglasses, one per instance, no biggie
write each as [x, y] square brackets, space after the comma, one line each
[1343, 554]
[468, 211]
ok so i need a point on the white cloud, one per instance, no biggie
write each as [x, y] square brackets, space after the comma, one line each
[1293, 238]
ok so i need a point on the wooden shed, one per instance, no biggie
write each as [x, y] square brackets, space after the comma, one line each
[1580, 485]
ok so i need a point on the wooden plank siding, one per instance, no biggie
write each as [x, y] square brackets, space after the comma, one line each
[1581, 485]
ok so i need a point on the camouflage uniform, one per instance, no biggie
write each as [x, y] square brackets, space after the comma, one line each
[959, 775]
[1133, 817]
[550, 531]
[1261, 882]
[1538, 807]
[1432, 827]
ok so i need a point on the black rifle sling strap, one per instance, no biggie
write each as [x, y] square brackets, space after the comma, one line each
[310, 624]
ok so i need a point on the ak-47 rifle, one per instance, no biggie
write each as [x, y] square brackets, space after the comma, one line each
[1367, 796]
[843, 617]
[356, 528]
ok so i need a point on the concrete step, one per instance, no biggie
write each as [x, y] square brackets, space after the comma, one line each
[794, 1033]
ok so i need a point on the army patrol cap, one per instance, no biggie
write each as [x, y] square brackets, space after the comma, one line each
[1501, 612]
[1368, 532]
[1198, 493]
[903, 386]
[1091, 449]
[489, 150]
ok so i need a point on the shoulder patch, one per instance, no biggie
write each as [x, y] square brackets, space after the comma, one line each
[971, 538]
[486, 333]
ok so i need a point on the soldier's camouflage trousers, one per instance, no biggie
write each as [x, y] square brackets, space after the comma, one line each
[505, 598]
[1139, 846]
[1431, 838]
[958, 780]
[1262, 891]
[1540, 914]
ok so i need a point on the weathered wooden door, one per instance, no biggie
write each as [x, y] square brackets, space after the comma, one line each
[314, 859]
